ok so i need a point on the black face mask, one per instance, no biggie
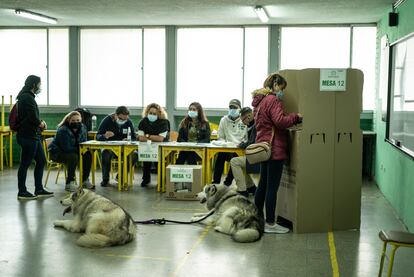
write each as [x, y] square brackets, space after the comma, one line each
[75, 125]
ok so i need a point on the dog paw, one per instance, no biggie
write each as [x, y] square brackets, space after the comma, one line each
[218, 229]
[58, 223]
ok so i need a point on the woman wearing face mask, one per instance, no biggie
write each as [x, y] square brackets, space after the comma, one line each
[114, 127]
[28, 137]
[271, 125]
[193, 128]
[65, 149]
[154, 126]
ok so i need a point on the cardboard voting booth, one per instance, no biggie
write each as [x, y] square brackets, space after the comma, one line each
[320, 189]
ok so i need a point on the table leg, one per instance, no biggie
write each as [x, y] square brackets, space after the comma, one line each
[11, 150]
[1, 154]
[80, 167]
[120, 177]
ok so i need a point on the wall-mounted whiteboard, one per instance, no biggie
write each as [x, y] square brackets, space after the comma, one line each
[400, 126]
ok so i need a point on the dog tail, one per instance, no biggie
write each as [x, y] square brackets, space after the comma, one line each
[93, 240]
[246, 235]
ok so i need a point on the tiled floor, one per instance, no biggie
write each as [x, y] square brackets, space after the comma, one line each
[30, 246]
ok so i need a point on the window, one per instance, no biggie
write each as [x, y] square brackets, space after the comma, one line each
[110, 67]
[154, 67]
[20, 59]
[210, 65]
[400, 126]
[305, 47]
[256, 60]
[363, 58]
[122, 67]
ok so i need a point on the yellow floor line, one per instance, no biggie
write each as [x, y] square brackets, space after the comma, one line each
[193, 247]
[332, 250]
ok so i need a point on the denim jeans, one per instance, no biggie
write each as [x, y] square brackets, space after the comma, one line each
[30, 149]
[71, 161]
[266, 193]
[219, 168]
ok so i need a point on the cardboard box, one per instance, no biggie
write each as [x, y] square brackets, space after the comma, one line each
[183, 182]
[320, 188]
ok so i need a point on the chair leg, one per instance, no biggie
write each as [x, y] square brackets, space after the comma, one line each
[47, 175]
[57, 175]
[391, 263]
[384, 249]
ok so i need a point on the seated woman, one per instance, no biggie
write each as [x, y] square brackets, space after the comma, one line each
[154, 126]
[193, 128]
[65, 149]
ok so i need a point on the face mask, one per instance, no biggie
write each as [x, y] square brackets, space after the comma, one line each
[120, 122]
[280, 94]
[75, 125]
[192, 114]
[152, 117]
[39, 90]
[234, 113]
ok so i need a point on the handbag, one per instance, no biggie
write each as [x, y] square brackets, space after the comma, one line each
[258, 152]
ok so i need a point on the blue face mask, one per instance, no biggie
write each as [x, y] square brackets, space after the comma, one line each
[234, 113]
[280, 94]
[192, 114]
[152, 117]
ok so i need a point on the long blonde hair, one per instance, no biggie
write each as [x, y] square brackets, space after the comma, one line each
[68, 117]
[162, 114]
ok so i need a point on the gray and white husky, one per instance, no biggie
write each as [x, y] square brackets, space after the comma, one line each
[103, 222]
[234, 214]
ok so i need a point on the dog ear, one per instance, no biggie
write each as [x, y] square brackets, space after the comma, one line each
[213, 189]
[80, 191]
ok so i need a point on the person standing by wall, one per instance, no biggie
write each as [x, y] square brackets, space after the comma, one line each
[28, 137]
[271, 125]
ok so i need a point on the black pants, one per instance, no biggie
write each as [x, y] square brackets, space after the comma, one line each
[266, 193]
[107, 156]
[146, 171]
[71, 161]
[219, 167]
[187, 156]
[31, 149]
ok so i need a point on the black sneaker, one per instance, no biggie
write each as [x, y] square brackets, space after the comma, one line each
[105, 183]
[144, 183]
[43, 193]
[26, 196]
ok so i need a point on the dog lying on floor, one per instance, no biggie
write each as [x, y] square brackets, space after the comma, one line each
[103, 222]
[234, 214]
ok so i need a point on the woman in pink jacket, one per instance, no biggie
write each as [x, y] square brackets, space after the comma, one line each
[271, 125]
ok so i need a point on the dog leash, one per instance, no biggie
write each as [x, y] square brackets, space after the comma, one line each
[163, 221]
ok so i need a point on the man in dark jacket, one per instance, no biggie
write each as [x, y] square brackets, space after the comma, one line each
[115, 126]
[28, 137]
[239, 165]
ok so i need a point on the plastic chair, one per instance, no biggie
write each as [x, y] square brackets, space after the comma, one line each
[395, 239]
[52, 164]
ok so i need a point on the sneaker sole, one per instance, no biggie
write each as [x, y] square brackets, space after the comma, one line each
[45, 195]
[26, 198]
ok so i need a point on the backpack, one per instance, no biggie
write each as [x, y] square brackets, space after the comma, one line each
[14, 119]
[86, 117]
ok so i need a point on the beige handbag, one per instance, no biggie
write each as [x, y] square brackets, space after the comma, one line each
[258, 152]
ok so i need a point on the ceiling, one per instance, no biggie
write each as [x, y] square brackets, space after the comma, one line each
[195, 12]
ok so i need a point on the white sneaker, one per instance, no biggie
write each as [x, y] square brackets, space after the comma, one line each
[71, 186]
[275, 229]
[87, 184]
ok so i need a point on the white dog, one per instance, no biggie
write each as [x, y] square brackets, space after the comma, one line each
[234, 214]
[103, 222]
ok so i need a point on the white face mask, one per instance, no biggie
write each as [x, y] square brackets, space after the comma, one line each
[37, 91]
[120, 122]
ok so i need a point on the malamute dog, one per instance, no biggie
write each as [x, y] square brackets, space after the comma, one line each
[234, 214]
[103, 222]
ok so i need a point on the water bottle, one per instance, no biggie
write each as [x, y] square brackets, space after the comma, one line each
[129, 134]
[94, 123]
